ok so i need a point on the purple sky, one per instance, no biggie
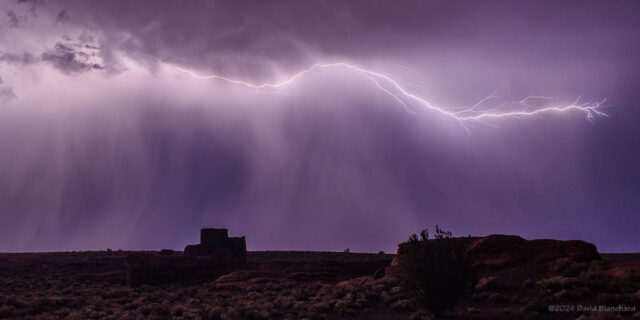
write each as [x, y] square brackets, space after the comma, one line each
[104, 143]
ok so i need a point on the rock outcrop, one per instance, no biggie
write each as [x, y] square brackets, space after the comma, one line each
[499, 252]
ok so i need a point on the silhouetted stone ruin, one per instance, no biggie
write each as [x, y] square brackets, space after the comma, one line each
[217, 254]
[217, 243]
[211, 236]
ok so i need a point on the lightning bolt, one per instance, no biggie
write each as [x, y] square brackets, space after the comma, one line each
[392, 88]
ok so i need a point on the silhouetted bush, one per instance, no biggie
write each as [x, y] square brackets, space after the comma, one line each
[437, 272]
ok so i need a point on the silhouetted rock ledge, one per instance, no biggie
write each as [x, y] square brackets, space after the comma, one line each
[497, 252]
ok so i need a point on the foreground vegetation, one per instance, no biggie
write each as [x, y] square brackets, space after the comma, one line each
[319, 285]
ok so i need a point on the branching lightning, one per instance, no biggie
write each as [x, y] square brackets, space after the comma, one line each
[526, 107]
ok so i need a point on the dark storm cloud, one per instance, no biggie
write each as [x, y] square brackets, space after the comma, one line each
[32, 6]
[6, 93]
[335, 163]
[14, 20]
[26, 9]
[24, 58]
[62, 17]
[62, 57]
[69, 59]
[249, 38]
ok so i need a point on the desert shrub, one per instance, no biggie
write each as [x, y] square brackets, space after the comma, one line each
[437, 272]
[535, 306]
[556, 283]
[487, 284]
[498, 298]
[421, 314]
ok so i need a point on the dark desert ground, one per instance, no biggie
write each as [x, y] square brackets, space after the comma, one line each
[516, 279]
